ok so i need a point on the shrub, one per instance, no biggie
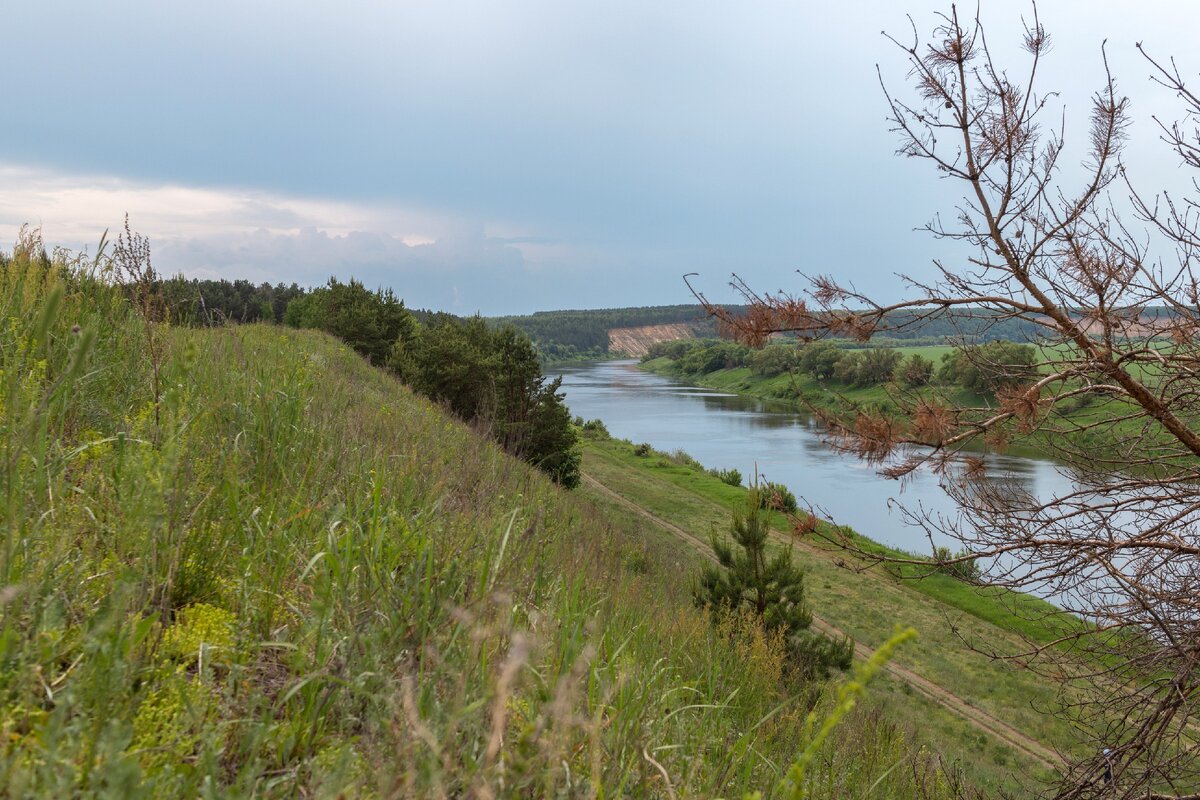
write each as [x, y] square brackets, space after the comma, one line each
[820, 360]
[989, 367]
[967, 571]
[774, 359]
[730, 476]
[778, 497]
[917, 371]
[712, 356]
[685, 459]
[593, 428]
[867, 367]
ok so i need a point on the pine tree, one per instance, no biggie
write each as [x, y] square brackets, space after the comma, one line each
[770, 587]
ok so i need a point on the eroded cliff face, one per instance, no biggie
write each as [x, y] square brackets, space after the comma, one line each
[636, 342]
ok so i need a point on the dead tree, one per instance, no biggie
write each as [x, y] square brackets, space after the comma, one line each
[1116, 395]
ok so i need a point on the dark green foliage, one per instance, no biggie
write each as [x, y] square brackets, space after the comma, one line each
[642, 449]
[530, 418]
[820, 359]
[454, 364]
[989, 367]
[774, 359]
[493, 378]
[917, 371]
[867, 367]
[674, 350]
[216, 302]
[710, 356]
[370, 322]
[770, 588]
[701, 356]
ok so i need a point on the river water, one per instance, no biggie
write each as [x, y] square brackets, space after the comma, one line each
[723, 430]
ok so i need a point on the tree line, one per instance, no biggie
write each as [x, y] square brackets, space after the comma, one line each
[557, 335]
[981, 368]
[585, 332]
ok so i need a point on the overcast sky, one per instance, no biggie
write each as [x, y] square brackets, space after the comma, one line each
[508, 157]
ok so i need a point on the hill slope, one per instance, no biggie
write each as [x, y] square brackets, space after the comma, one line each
[241, 561]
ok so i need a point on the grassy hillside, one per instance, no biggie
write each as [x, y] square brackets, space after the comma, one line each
[864, 603]
[241, 561]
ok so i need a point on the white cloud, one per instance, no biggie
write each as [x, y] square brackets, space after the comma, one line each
[261, 236]
[78, 208]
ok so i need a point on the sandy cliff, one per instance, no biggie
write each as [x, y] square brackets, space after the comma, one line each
[636, 342]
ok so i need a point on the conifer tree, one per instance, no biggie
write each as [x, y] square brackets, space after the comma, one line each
[769, 587]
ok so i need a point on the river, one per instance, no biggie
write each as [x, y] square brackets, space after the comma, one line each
[723, 430]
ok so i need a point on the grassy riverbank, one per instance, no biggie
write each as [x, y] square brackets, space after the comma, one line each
[865, 602]
[803, 391]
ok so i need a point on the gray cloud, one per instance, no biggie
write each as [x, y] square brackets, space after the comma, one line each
[455, 273]
[615, 145]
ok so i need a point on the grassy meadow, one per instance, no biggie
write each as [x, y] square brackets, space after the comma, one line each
[242, 562]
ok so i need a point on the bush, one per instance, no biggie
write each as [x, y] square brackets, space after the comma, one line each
[988, 368]
[642, 449]
[867, 367]
[729, 476]
[967, 571]
[685, 459]
[820, 360]
[593, 428]
[917, 371]
[712, 356]
[778, 497]
[774, 359]
[674, 350]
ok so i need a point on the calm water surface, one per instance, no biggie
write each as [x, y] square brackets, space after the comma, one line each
[723, 430]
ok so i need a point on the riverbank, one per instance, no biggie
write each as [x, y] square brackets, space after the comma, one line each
[805, 393]
[867, 602]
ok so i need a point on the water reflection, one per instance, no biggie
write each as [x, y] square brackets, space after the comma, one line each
[724, 430]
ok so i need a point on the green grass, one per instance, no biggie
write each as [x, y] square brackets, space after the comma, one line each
[987, 764]
[868, 603]
[288, 576]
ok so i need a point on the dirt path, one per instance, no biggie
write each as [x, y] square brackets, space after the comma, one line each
[953, 703]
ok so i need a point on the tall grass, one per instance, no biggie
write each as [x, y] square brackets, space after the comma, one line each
[271, 570]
